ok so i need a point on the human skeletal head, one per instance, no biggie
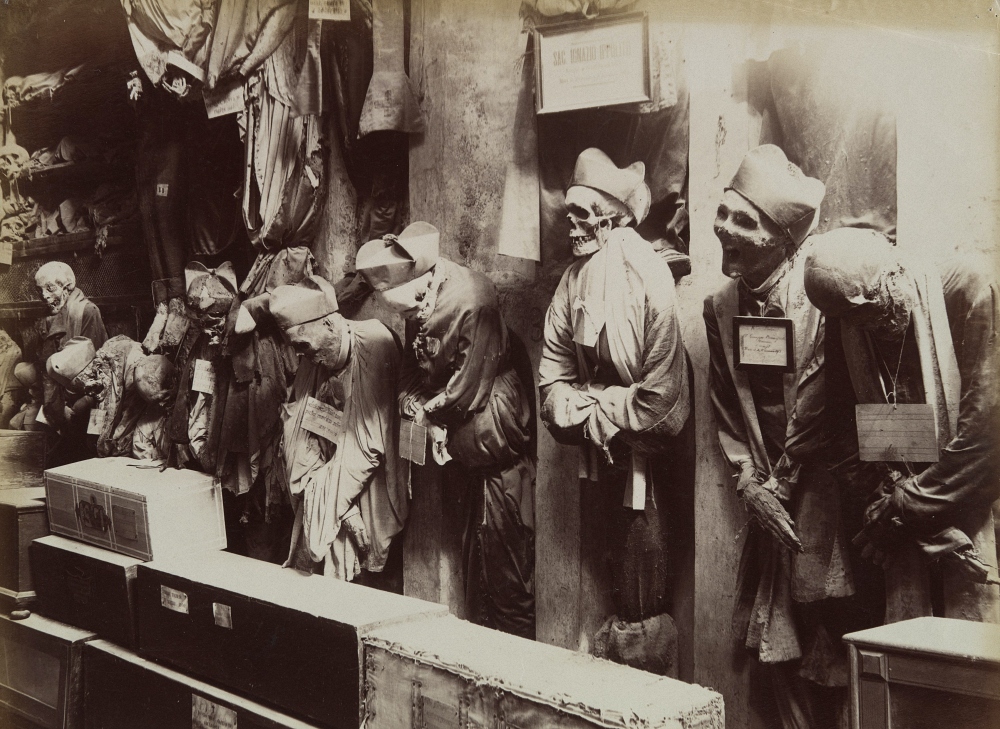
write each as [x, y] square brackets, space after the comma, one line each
[753, 245]
[321, 340]
[591, 213]
[155, 380]
[55, 281]
[209, 300]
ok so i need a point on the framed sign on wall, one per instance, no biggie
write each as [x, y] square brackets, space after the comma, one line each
[590, 63]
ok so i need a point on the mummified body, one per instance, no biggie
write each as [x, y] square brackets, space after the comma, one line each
[614, 379]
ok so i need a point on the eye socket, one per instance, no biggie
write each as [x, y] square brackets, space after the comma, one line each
[744, 221]
[577, 211]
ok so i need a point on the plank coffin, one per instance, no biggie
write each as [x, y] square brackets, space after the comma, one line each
[286, 639]
[133, 508]
[162, 698]
[22, 519]
[446, 673]
[22, 459]
[40, 671]
[87, 587]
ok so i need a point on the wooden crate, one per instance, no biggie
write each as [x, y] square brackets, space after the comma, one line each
[22, 459]
[22, 519]
[278, 636]
[85, 586]
[131, 507]
[162, 698]
[40, 671]
[925, 673]
[447, 673]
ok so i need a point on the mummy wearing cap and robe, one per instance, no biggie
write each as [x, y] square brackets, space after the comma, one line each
[348, 484]
[915, 336]
[458, 378]
[788, 435]
[614, 380]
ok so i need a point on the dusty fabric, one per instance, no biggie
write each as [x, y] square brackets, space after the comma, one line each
[114, 367]
[248, 33]
[649, 645]
[789, 426]
[362, 472]
[149, 439]
[170, 32]
[462, 353]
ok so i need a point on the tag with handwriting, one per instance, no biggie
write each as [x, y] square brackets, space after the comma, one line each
[323, 420]
[173, 599]
[207, 714]
[224, 100]
[763, 341]
[96, 423]
[204, 377]
[897, 433]
[413, 441]
[223, 615]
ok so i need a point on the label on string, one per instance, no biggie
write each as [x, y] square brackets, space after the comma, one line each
[413, 442]
[897, 433]
[204, 377]
[96, 423]
[323, 420]
[330, 9]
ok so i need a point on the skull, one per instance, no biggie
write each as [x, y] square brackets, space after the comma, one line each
[155, 380]
[591, 213]
[320, 340]
[753, 245]
[95, 379]
[55, 281]
[12, 159]
[210, 301]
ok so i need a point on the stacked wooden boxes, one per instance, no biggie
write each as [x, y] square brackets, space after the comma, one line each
[22, 519]
[119, 504]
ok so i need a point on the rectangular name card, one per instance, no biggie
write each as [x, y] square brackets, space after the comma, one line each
[204, 377]
[413, 441]
[330, 9]
[323, 420]
[207, 714]
[96, 423]
[763, 342]
[589, 63]
[897, 433]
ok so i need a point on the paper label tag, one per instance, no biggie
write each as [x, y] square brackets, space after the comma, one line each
[96, 423]
[173, 599]
[763, 341]
[7, 252]
[204, 377]
[223, 615]
[207, 714]
[897, 433]
[224, 100]
[330, 9]
[124, 522]
[162, 189]
[40, 417]
[323, 420]
[413, 442]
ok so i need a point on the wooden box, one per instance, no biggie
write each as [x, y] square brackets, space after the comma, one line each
[22, 519]
[278, 636]
[447, 673]
[925, 673]
[131, 507]
[162, 698]
[85, 586]
[40, 671]
[22, 459]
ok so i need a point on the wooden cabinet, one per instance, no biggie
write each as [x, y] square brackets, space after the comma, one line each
[925, 673]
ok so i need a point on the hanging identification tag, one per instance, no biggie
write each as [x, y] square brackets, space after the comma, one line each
[96, 423]
[897, 433]
[204, 377]
[413, 441]
[323, 420]
[763, 342]
[329, 9]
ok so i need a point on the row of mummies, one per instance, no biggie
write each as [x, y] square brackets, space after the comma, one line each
[835, 543]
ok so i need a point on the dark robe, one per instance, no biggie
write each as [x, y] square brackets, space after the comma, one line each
[463, 350]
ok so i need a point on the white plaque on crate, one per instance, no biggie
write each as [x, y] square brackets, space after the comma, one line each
[207, 714]
[588, 63]
[173, 599]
